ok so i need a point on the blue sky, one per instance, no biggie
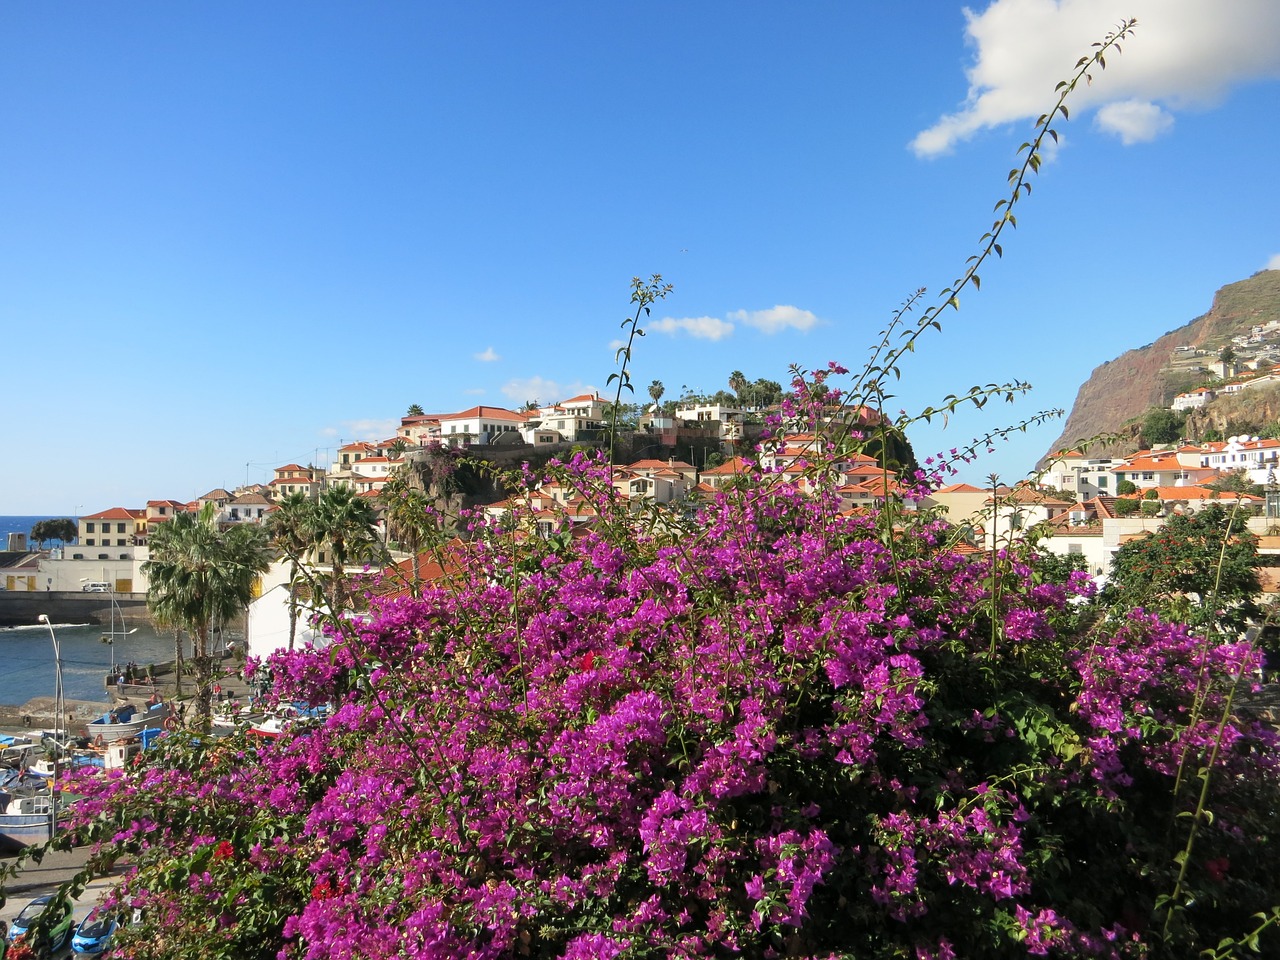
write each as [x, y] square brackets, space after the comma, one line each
[234, 235]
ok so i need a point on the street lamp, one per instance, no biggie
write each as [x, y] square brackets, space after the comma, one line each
[110, 638]
[59, 706]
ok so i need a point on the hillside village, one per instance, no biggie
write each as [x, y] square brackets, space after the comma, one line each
[1081, 505]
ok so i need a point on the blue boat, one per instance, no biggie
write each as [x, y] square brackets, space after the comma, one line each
[126, 721]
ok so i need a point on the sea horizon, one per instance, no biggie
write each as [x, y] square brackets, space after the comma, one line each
[20, 523]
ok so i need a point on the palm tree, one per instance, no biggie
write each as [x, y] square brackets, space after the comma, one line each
[197, 574]
[656, 390]
[414, 410]
[737, 383]
[409, 519]
[290, 529]
[344, 528]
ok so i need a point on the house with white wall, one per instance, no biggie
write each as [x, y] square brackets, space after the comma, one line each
[479, 425]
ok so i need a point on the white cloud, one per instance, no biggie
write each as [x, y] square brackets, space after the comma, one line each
[1184, 53]
[703, 328]
[369, 429]
[1134, 121]
[616, 345]
[776, 319]
[522, 390]
[474, 391]
[1273, 263]
[486, 356]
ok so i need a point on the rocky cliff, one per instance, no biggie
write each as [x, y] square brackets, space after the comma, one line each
[1123, 389]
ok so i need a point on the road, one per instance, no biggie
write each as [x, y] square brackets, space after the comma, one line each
[35, 880]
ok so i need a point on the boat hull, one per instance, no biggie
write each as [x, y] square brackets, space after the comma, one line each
[18, 830]
[153, 719]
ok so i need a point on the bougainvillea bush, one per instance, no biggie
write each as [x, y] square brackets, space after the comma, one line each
[775, 729]
[765, 727]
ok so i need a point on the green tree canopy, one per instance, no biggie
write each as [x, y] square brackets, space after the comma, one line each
[199, 575]
[1201, 568]
[63, 529]
[1161, 425]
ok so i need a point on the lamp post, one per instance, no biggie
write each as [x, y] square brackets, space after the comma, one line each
[59, 706]
[110, 638]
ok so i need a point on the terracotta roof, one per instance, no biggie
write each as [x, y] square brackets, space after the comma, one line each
[731, 466]
[483, 412]
[960, 488]
[594, 398]
[114, 513]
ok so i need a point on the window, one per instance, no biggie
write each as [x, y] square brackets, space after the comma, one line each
[1102, 483]
[119, 528]
[88, 527]
[89, 542]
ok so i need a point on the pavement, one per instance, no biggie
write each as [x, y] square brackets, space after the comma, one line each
[36, 880]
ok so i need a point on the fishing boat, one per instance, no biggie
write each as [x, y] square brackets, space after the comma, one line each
[127, 721]
[26, 812]
[14, 751]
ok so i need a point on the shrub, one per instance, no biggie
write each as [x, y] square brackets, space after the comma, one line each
[773, 729]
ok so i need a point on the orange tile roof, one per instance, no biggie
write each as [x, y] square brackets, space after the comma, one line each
[492, 413]
[112, 513]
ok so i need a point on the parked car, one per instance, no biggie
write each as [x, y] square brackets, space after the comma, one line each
[93, 936]
[96, 586]
[53, 937]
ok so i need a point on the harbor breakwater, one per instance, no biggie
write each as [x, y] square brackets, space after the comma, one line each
[21, 608]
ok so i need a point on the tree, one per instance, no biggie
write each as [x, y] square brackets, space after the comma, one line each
[410, 518]
[1126, 487]
[656, 390]
[1161, 425]
[289, 527]
[199, 574]
[44, 530]
[1236, 481]
[764, 393]
[531, 405]
[738, 383]
[1200, 568]
[343, 529]
[414, 410]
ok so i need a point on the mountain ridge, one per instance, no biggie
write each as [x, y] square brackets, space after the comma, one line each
[1120, 391]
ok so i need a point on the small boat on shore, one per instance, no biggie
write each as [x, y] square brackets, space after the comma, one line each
[127, 721]
[26, 813]
[14, 750]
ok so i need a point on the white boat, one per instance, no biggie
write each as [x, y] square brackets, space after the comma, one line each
[14, 750]
[127, 721]
[26, 814]
[45, 767]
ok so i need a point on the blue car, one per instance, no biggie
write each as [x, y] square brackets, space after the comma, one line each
[93, 936]
[55, 934]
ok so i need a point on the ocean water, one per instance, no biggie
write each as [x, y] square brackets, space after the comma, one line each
[16, 524]
[28, 670]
